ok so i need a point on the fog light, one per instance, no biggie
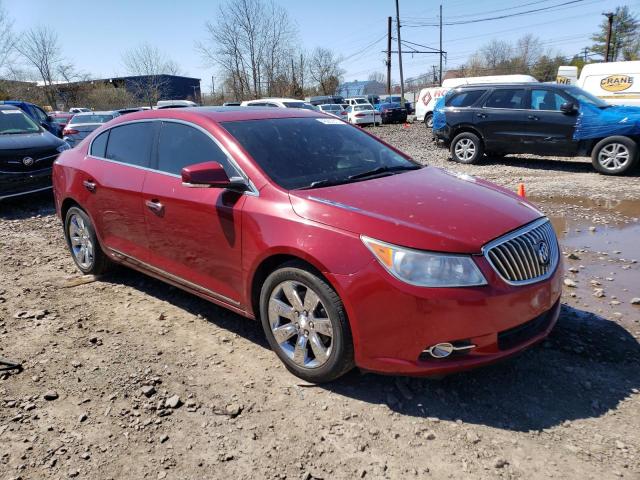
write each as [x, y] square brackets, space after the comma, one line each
[445, 349]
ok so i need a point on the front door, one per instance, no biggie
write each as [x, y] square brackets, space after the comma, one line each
[194, 234]
[550, 132]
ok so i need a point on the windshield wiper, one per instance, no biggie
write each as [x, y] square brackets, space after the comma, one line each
[382, 170]
[324, 183]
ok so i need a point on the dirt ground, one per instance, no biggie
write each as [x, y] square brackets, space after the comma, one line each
[128, 378]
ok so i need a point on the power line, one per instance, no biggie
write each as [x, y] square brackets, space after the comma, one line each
[466, 15]
[370, 45]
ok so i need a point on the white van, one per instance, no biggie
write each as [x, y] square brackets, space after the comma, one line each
[617, 83]
[428, 97]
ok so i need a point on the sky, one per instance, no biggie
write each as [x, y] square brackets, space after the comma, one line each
[94, 35]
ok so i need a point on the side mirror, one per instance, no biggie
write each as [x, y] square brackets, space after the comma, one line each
[210, 174]
[568, 108]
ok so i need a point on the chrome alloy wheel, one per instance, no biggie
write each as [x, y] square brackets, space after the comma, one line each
[300, 324]
[613, 156]
[81, 244]
[465, 149]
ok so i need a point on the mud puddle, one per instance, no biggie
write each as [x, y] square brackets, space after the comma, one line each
[601, 242]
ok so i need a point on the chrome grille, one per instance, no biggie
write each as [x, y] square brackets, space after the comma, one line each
[519, 257]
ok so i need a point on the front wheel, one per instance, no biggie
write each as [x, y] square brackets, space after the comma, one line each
[428, 120]
[466, 148]
[615, 155]
[305, 323]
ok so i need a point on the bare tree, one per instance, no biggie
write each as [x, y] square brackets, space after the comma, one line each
[149, 65]
[40, 48]
[7, 38]
[496, 53]
[527, 52]
[324, 68]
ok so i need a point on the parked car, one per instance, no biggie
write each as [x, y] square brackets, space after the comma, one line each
[357, 101]
[363, 114]
[347, 251]
[27, 152]
[398, 99]
[278, 103]
[82, 124]
[37, 114]
[60, 118]
[325, 99]
[175, 104]
[617, 83]
[540, 119]
[428, 97]
[391, 112]
[79, 110]
[334, 109]
[124, 111]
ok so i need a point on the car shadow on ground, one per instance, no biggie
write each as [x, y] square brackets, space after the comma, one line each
[586, 367]
[27, 206]
[569, 165]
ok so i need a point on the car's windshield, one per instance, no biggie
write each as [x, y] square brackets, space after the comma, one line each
[308, 152]
[14, 121]
[91, 119]
[360, 108]
[308, 106]
[585, 97]
[361, 100]
[61, 120]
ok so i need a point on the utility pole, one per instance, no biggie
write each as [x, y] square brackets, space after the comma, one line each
[400, 54]
[585, 54]
[435, 78]
[610, 18]
[441, 53]
[388, 55]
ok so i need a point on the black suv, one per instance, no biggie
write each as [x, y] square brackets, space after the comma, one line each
[537, 118]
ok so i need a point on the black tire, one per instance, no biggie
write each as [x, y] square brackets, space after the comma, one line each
[99, 263]
[467, 156]
[340, 359]
[607, 149]
[428, 120]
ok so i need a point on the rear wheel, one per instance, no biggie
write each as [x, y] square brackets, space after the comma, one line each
[305, 323]
[615, 155]
[466, 148]
[83, 243]
[428, 120]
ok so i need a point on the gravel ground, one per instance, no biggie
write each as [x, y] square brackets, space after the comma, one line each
[126, 377]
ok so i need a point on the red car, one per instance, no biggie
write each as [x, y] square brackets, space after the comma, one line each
[348, 252]
[61, 118]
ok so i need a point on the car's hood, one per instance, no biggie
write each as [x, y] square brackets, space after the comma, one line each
[428, 209]
[596, 122]
[21, 141]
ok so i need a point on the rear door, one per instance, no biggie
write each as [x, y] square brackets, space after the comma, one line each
[194, 233]
[115, 185]
[549, 131]
[502, 120]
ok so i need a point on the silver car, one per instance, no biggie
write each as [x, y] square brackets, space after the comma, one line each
[82, 124]
[334, 109]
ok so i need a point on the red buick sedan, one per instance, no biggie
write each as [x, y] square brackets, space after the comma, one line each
[348, 252]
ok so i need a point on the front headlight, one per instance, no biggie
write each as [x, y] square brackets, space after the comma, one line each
[426, 269]
[63, 147]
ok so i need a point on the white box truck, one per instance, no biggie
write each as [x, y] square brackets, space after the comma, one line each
[428, 97]
[617, 83]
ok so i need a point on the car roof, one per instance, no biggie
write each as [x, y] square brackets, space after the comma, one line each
[104, 112]
[221, 114]
[8, 107]
[510, 85]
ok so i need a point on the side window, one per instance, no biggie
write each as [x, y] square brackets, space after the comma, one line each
[465, 98]
[131, 143]
[546, 100]
[507, 98]
[41, 115]
[181, 145]
[99, 145]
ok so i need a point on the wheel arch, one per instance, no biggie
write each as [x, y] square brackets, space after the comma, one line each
[465, 128]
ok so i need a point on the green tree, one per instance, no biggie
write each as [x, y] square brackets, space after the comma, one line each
[625, 36]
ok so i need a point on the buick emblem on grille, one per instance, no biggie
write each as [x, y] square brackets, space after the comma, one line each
[544, 255]
[28, 161]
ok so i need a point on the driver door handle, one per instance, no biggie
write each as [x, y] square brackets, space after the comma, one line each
[533, 117]
[155, 206]
[481, 115]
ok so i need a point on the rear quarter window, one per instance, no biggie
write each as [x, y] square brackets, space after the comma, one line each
[99, 145]
[465, 98]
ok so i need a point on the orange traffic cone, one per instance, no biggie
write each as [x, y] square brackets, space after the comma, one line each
[406, 125]
[521, 191]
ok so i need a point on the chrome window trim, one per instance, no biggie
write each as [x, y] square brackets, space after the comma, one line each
[253, 191]
[516, 233]
[175, 278]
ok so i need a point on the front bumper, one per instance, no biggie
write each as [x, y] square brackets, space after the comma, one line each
[393, 323]
[14, 184]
